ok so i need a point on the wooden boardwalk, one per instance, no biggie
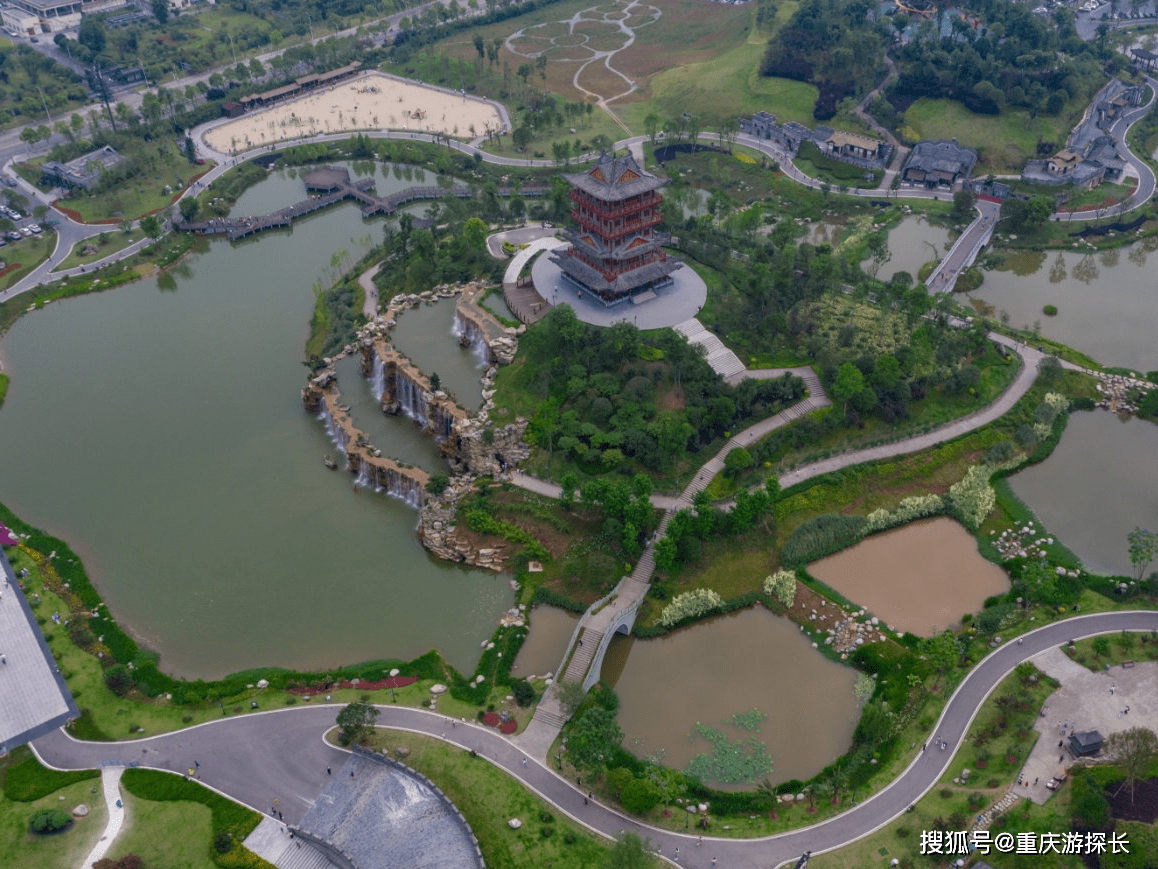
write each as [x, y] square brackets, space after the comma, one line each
[335, 186]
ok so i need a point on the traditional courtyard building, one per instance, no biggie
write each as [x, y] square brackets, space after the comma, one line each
[616, 254]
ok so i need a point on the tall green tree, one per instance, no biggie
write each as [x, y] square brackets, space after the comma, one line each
[593, 739]
[1143, 549]
[849, 382]
[1133, 750]
[355, 722]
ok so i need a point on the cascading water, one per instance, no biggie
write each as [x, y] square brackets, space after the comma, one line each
[403, 488]
[363, 478]
[378, 379]
[474, 336]
[333, 430]
[410, 398]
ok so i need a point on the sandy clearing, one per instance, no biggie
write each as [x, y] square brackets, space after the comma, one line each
[370, 101]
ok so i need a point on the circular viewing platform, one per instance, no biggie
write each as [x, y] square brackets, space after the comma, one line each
[676, 303]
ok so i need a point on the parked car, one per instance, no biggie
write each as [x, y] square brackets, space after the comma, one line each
[48, 223]
[36, 229]
[13, 236]
[26, 231]
[9, 180]
[15, 215]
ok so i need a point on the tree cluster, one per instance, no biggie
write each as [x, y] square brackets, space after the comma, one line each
[831, 44]
[1001, 55]
[607, 396]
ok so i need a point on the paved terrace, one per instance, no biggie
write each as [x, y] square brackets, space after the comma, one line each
[34, 698]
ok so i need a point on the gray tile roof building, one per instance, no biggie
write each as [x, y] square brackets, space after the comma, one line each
[84, 171]
[938, 164]
[34, 698]
[379, 814]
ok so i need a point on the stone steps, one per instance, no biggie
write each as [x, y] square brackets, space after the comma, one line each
[549, 718]
[302, 855]
[581, 659]
[1003, 805]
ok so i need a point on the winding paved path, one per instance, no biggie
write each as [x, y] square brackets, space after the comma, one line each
[255, 758]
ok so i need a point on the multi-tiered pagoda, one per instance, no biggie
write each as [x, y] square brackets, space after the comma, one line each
[615, 251]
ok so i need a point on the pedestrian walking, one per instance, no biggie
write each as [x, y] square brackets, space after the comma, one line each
[713, 861]
[524, 761]
[924, 745]
[1035, 782]
[197, 764]
[585, 801]
[328, 771]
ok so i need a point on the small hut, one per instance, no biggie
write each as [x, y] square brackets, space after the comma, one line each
[1086, 743]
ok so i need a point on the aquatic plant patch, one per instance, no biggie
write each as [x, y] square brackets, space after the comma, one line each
[738, 761]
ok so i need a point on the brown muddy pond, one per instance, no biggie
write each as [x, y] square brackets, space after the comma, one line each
[920, 578]
[727, 667]
[542, 651]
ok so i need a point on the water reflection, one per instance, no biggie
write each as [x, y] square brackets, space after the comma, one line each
[1107, 303]
[1100, 482]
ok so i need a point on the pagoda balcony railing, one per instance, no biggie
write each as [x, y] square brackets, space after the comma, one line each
[613, 211]
[611, 270]
[603, 230]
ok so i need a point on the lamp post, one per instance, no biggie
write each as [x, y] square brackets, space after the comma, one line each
[231, 46]
[45, 102]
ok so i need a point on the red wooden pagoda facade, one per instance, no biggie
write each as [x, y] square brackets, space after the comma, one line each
[616, 252]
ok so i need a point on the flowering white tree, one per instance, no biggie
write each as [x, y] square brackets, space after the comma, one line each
[782, 586]
[690, 604]
[973, 497]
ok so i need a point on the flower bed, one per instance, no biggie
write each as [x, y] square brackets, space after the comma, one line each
[491, 719]
[392, 682]
[509, 726]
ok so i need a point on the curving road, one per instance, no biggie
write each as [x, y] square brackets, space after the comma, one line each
[281, 754]
[70, 232]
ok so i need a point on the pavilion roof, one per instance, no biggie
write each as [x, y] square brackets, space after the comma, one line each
[614, 179]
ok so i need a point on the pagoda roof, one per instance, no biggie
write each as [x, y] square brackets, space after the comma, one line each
[614, 179]
[623, 283]
[641, 243]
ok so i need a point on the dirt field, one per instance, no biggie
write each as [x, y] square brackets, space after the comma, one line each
[668, 34]
[1144, 805]
[370, 101]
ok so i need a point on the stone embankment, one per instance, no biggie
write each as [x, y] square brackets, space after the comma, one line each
[472, 445]
[1119, 394]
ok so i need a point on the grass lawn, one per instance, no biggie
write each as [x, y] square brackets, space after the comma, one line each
[115, 240]
[148, 833]
[20, 849]
[162, 163]
[953, 807]
[729, 85]
[488, 798]
[1123, 647]
[26, 255]
[1015, 135]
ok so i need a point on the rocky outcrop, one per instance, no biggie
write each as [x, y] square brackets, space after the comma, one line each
[438, 529]
[472, 444]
